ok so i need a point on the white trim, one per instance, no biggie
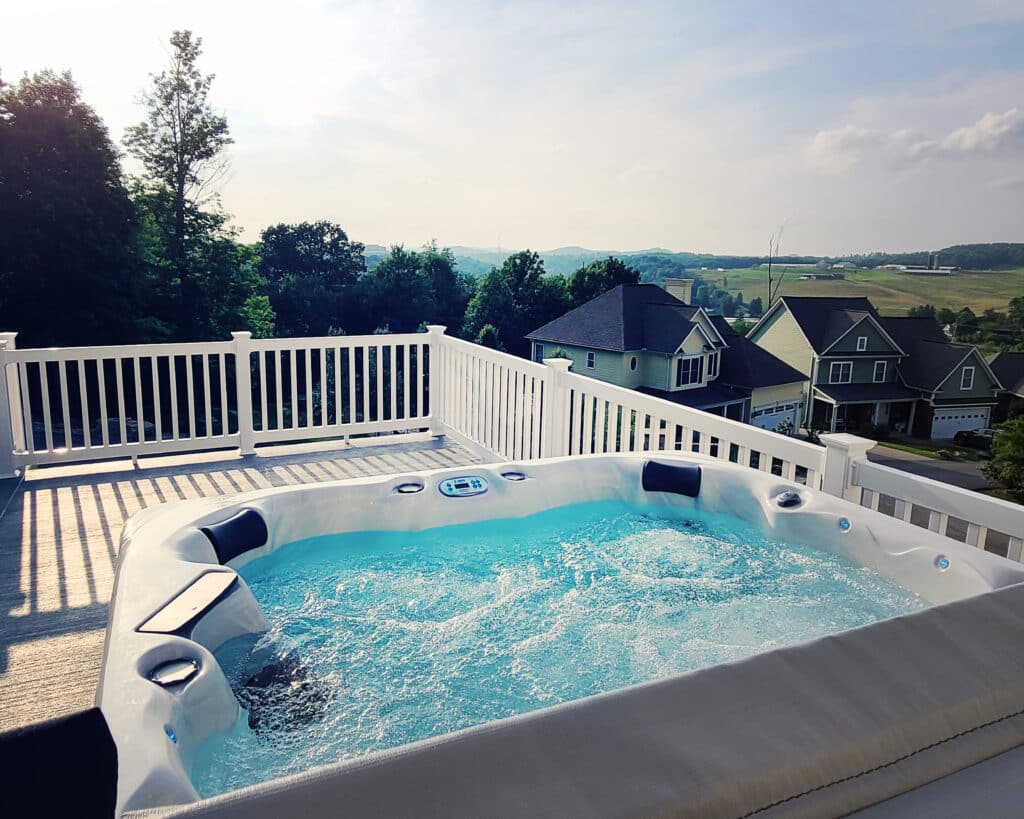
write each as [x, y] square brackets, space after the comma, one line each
[874, 373]
[696, 329]
[963, 374]
[867, 317]
[862, 347]
[831, 372]
[591, 360]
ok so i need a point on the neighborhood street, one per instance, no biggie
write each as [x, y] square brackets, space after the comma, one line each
[965, 474]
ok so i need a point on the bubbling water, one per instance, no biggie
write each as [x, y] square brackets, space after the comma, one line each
[382, 638]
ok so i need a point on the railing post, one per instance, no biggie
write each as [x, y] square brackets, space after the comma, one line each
[243, 388]
[552, 422]
[842, 452]
[11, 432]
[436, 380]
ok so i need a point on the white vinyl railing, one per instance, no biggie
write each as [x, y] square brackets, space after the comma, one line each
[87, 403]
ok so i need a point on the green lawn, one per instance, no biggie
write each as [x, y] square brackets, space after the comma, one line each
[891, 291]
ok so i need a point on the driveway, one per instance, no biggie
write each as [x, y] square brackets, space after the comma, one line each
[965, 474]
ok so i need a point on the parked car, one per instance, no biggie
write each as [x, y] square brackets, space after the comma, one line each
[975, 438]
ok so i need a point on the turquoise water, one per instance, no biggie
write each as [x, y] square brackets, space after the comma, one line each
[390, 637]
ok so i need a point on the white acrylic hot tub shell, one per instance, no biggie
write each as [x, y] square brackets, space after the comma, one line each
[163, 551]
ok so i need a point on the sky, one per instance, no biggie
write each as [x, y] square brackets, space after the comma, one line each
[690, 126]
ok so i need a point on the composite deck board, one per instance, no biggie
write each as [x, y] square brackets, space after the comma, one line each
[58, 549]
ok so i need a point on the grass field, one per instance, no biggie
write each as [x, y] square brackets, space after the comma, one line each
[891, 291]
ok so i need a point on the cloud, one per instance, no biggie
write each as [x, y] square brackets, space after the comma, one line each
[1008, 183]
[987, 135]
[837, 150]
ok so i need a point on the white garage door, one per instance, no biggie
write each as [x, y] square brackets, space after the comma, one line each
[771, 415]
[948, 421]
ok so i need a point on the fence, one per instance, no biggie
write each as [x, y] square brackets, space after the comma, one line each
[77, 404]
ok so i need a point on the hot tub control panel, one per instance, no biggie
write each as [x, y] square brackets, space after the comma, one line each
[464, 486]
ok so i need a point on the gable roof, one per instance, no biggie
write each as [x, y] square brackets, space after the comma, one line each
[824, 320]
[749, 366]
[931, 356]
[627, 317]
[1009, 369]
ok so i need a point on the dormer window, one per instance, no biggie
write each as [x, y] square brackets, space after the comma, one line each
[862, 343]
[689, 371]
[967, 378]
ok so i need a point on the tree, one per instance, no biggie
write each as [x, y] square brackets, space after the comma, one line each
[398, 292]
[742, 327]
[1007, 463]
[181, 147]
[451, 289]
[727, 305]
[69, 260]
[593, 279]
[773, 252]
[945, 317]
[309, 271]
[922, 311]
[517, 298]
[756, 307]
[490, 337]
[966, 324]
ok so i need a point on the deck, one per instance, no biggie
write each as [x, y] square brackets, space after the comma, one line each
[59, 538]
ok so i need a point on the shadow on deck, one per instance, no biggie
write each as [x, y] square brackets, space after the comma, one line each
[58, 550]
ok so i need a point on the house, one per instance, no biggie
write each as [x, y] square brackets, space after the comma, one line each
[868, 371]
[1009, 369]
[958, 389]
[653, 340]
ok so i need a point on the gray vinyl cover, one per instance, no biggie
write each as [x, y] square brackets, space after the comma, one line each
[818, 729]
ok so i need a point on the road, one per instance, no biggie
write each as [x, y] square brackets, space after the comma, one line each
[965, 474]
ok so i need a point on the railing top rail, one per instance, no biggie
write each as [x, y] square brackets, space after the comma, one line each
[761, 440]
[495, 356]
[993, 513]
[313, 342]
[29, 354]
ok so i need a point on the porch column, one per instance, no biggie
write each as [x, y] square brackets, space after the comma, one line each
[11, 432]
[835, 412]
[910, 423]
[436, 385]
[554, 419]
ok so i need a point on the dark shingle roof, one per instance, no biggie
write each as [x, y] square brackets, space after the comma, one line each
[627, 317]
[823, 319]
[1009, 369]
[843, 393]
[748, 366]
[713, 395]
[931, 356]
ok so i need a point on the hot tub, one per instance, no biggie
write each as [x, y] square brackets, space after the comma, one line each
[371, 629]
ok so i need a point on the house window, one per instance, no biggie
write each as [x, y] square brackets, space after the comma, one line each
[689, 371]
[967, 378]
[879, 374]
[712, 365]
[840, 372]
[538, 353]
[590, 360]
[632, 364]
[862, 343]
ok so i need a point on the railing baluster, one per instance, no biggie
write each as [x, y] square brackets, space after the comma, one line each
[191, 394]
[140, 415]
[351, 385]
[324, 392]
[405, 381]
[26, 407]
[65, 408]
[101, 380]
[154, 369]
[222, 374]
[206, 394]
[261, 355]
[172, 372]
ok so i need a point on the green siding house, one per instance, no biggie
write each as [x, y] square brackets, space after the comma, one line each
[866, 370]
[645, 338]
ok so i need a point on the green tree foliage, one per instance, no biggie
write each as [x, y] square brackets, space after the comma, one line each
[516, 298]
[309, 273]
[398, 292]
[922, 311]
[451, 288]
[966, 325]
[945, 316]
[181, 147]
[68, 249]
[593, 279]
[490, 337]
[742, 327]
[1007, 463]
[756, 307]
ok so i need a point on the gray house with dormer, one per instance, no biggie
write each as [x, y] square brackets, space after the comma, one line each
[652, 340]
[865, 370]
